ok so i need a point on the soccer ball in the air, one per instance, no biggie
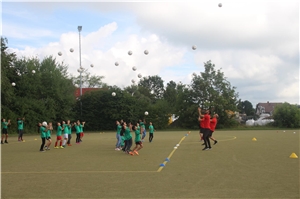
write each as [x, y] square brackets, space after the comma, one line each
[220, 5]
[117, 64]
[130, 52]
[133, 81]
[113, 94]
[140, 75]
[71, 50]
[146, 113]
[33, 71]
[146, 52]
[134, 68]
[13, 84]
[194, 47]
[92, 65]
[59, 53]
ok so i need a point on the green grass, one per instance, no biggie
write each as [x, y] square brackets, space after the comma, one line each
[236, 167]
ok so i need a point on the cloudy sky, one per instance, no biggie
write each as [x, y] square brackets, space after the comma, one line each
[255, 43]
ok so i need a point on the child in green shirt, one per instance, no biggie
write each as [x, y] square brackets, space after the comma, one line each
[151, 131]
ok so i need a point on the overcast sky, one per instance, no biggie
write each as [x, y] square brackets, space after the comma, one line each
[255, 43]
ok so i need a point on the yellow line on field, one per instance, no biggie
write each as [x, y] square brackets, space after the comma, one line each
[70, 172]
[229, 139]
[165, 162]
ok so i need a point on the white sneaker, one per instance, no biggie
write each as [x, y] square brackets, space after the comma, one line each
[117, 149]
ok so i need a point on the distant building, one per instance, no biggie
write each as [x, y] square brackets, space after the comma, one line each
[84, 90]
[266, 108]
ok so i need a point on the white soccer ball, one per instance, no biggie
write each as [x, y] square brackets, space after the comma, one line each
[130, 52]
[59, 53]
[71, 50]
[220, 5]
[113, 94]
[194, 47]
[33, 71]
[117, 64]
[44, 124]
[146, 52]
[140, 75]
[146, 113]
[13, 84]
[133, 81]
[92, 65]
[134, 68]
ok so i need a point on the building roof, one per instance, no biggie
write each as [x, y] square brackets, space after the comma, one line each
[269, 106]
[84, 90]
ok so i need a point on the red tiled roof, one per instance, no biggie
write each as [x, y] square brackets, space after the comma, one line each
[269, 106]
[84, 90]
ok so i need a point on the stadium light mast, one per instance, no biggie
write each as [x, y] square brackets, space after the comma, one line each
[80, 69]
[79, 30]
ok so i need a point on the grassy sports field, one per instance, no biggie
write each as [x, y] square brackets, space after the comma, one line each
[236, 167]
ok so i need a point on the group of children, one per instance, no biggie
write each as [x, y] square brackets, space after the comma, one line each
[124, 137]
[63, 134]
[4, 124]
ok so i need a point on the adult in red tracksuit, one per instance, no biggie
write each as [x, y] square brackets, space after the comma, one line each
[206, 128]
[200, 125]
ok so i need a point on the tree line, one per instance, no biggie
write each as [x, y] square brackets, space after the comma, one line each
[44, 91]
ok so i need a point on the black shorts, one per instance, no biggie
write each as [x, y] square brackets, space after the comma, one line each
[206, 131]
[48, 138]
[138, 143]
[210, 133]
[4, 131]
[201, 130]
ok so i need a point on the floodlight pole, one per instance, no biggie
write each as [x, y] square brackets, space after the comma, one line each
[80, 68]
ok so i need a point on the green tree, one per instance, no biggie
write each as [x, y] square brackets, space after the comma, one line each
[43, 90]
[287, 116]
[170, 94]
[152, 87]
[89, 81]
[211, 90]
[246, 107]
[7, 78]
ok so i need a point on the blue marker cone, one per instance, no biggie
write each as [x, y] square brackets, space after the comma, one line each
[162, 165]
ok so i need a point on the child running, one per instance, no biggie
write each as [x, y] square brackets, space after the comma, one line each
[58, 136]
[213, 124]
[138, 142]
[151, 131]
[4, 130]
